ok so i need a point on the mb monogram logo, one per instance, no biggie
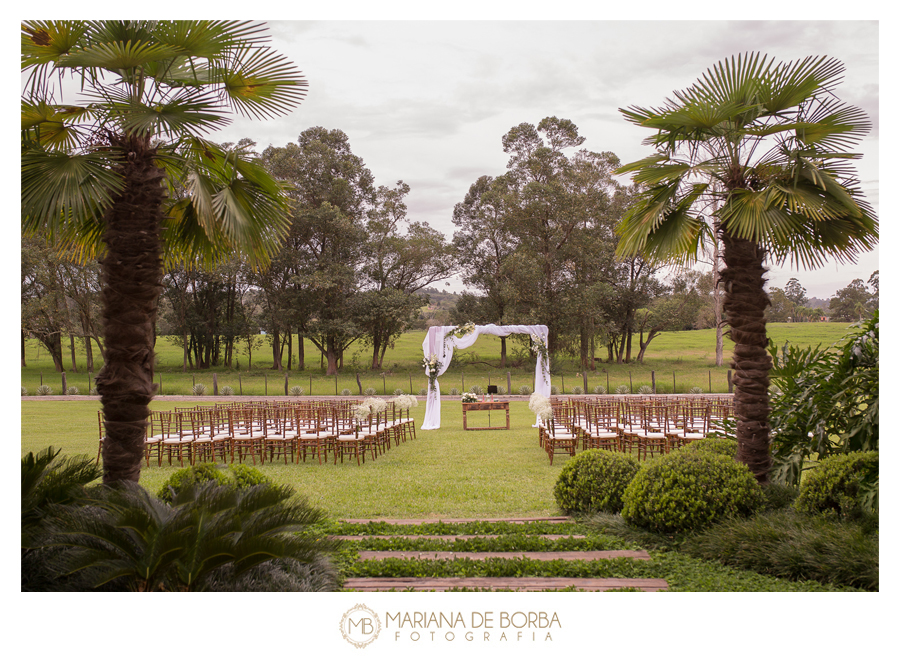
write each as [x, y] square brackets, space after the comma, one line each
[360, 626]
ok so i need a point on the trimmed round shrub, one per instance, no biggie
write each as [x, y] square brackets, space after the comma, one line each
[196, 474]
[834, 486]
[247, 476]
[594, 481]
[240, 476]
[725, 447]
[690, 490]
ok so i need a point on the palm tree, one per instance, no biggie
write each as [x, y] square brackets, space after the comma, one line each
[769, 143]
[121, 171]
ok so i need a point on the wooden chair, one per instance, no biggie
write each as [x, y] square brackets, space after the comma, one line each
[558, 438]
[244, 433]
[174, 438]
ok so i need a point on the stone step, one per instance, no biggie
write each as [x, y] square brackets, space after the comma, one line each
[547, 519]
[543, 556]
[515, 584]
[452, 537]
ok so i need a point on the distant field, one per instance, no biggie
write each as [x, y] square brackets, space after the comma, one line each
[679, 361]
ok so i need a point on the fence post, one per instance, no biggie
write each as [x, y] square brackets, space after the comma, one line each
[65, 388]
[240, 385]
[653, 381]
[215, 384]
[335, 384]
[266, 383]
[584, 379]
[463, 382]
[673, 382]
[710, 381]
[730, 383]
[285, 383]
[310, 384]
[630, 383]
[410, 385]
[90, 379]
[563, 378]
[608, 392]
[160, 383]
[508, 383]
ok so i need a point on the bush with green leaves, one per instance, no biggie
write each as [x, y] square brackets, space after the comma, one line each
[247, 476]
[226, 390]
[841, 485]
[594, 481]
[779, 496]
[794, 546]
[824, 401]
[192, 475]
[727, 447]
[43, 389]
[198, 389]
[689, 490]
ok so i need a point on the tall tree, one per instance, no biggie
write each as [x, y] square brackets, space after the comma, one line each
[769, 141]
[95, 171]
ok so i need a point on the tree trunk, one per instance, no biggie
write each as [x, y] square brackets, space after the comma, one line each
[717, 298]
[301, 353]
[276, 349]
[23, 348]
[745, 304]
[72, 351]
[502, 351]
[132, 282]
[331, 355]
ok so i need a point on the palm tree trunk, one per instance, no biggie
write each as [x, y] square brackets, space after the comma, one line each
[132, 283]
[745, 304]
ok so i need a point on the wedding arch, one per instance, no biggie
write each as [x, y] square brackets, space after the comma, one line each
[441, 341]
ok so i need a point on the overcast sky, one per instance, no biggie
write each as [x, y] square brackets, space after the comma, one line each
[427, 102]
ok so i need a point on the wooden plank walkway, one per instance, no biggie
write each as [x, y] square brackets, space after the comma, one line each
[548, 519]
[516, 584]
[544, 556]
[450, 537]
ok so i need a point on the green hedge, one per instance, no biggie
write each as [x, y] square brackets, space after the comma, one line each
[594, 481]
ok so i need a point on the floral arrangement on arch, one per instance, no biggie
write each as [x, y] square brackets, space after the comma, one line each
[539, 347]
[432, 367]
[468, 396]
[460, 331]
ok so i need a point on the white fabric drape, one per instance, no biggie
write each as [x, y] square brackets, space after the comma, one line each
[435, 343]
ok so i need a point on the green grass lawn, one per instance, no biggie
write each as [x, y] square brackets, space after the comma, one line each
[443, 473]
[677, 361]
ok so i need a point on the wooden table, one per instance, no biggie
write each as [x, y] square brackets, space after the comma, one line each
[485, 406]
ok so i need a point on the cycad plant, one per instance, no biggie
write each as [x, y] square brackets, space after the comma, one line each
[762, 149]
[116, 166]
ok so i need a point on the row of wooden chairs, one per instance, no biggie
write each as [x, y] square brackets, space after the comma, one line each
[642, 426]
[272, 431]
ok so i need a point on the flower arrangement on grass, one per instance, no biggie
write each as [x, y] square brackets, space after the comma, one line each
[432, 367]
[405, 402]
[468, 396]
[540, 406]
